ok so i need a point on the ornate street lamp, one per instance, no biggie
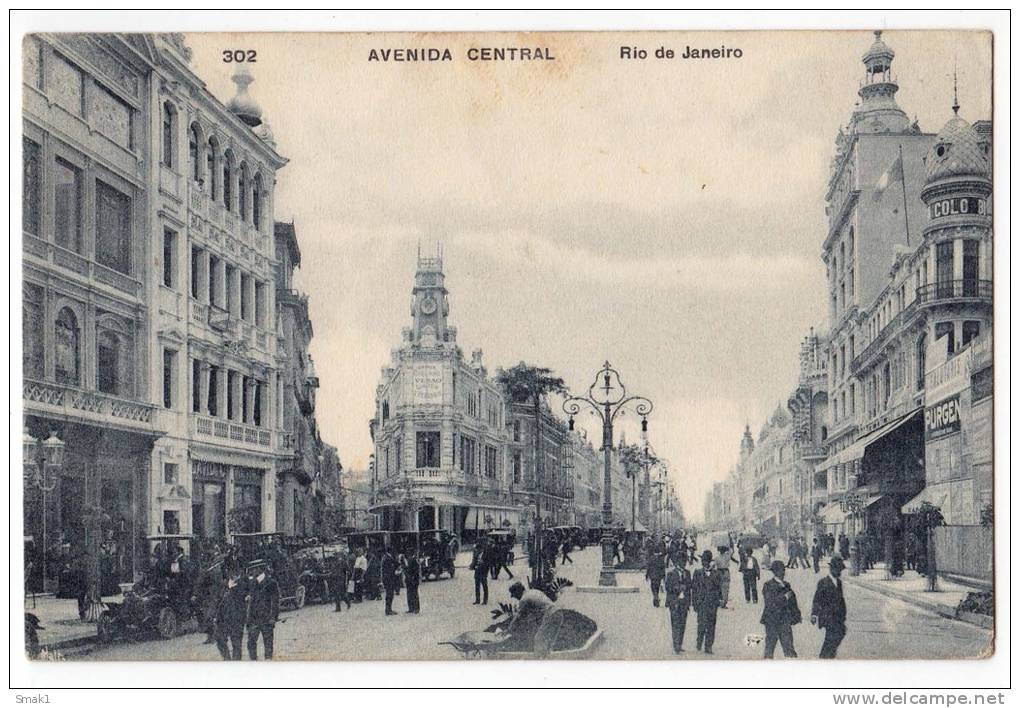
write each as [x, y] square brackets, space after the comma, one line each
[37, 455]
[607, 397]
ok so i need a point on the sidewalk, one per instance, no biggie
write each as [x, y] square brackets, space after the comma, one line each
[60, 618]
[912, 588]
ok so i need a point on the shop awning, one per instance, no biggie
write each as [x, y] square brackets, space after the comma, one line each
[855, 450]
[833, 513]
[937, 495]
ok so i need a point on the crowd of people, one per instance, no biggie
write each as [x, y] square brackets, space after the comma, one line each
[706, 589]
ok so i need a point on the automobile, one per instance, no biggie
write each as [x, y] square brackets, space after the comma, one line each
[268, 547]
[314, 571]
[435, 550]
[162, 603]
[368, 540]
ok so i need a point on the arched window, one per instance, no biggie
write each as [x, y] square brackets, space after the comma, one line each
[169, 119]
[228, 177]
[256, 201]
[242, 191]
[210, 165]
[108, 363]
[921, 351]
[67, 348]
[196, 169]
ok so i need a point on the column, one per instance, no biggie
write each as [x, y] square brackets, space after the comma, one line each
[204, 369]
[249, 412]
[221, 394]
[235, 288]
[251, 299]
[957, 259]
[204, 293]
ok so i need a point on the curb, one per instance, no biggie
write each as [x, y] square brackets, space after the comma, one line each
[945, 611]
[70, 643]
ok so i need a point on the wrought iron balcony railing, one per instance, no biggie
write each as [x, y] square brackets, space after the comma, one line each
[969, 289]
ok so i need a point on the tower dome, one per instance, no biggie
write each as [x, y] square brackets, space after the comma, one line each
[243, 105]
[878, 111]
[956, 152]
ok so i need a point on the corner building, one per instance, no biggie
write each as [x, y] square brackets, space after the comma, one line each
[441, 427]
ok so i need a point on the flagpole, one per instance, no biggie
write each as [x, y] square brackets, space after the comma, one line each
[903, 181]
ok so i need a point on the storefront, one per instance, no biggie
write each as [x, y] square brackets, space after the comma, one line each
[225, 498]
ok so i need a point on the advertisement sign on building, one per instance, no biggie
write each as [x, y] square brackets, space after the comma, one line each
[427, 384]
[942, 418]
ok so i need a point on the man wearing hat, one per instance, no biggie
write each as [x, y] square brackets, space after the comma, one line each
[480, 566]
[230, 616]
[678, 600]
[706, 597]
[781, 612]
[828, 609]
[263, 609]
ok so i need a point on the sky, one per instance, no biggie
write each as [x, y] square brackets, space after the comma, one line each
[666, 215]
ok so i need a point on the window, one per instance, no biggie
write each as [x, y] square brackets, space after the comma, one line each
[467, 455]
[214, 281]
[31, 186]
[67, 204]
[947, 330]
[517, 431]
[32, 334]
[67, 352]
[193, 163]
[169, 377]
[260, 304]
[171, 522]
[228, 277]
[490, 462]
[228, 176]
[256, 202]
[886, 384]
[920, 352]
[853, 404]
[242, 191]
[169, 261]
[850, 283]
[108, 363]
[169, 119]
[113, 228]
[215, 178]
[944, 268]
[970, 268]
[196, 386]
[245, 297]
[170, 473]
[196, 274]
[842, 296]
[971, 330]
[214, 390]
[517, 468]
[256, 416]
[427, 448]
[231, 396]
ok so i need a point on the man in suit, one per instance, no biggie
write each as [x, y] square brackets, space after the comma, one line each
[480, 566]
[412, 578]
[750, 571]
[816, 554]
[263, 610]
[678, 600]
[780, 612]
[390, 578]
[655, 571]
[340, 574]
[828, 609]
[230, 615]
[706, 597]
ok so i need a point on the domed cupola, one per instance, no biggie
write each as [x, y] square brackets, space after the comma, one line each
[956, 152]
[243, 105]
[878, 111]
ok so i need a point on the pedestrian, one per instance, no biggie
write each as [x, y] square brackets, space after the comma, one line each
[780, 613]
[390, 578]
[481, 570]
[505, 558]
[263, 610]
[828, 609]
[793, 553]
[230, 617]
[723, 565]
[678, 600]
[360, 569]
[616, 550]
[340, 575]
[207, 594]
[816, 554]
[565, 549]
[750, 571]
[706, 597]
[655, 571]
[372, 575]
[844, 545]
[412, 578]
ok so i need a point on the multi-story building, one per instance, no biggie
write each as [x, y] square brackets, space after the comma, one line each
[769, 466]
[587, 471]
[809, 407]
[441, 427]
[549, 486]
[874, 210]
[150, 337]
[308, 484]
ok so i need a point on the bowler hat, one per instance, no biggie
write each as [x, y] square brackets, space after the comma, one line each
[706, 555]
[777, 567]
[837, 562]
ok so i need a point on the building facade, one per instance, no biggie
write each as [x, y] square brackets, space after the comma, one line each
[441, 427]
[150, 336]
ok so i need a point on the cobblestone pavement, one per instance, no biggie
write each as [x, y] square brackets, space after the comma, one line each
[878, 627]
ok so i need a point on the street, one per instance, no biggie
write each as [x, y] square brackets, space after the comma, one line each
[878, 627]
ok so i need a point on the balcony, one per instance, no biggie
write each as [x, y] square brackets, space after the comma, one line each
[948, 291]
[231, 433]
[76, 404]
[78, 264]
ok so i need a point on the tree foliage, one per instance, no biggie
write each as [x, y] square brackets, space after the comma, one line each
[523, 383]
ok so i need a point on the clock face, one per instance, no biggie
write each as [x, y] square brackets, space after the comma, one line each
[428, 305]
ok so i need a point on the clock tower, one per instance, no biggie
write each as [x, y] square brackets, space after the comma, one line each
[429, 303]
